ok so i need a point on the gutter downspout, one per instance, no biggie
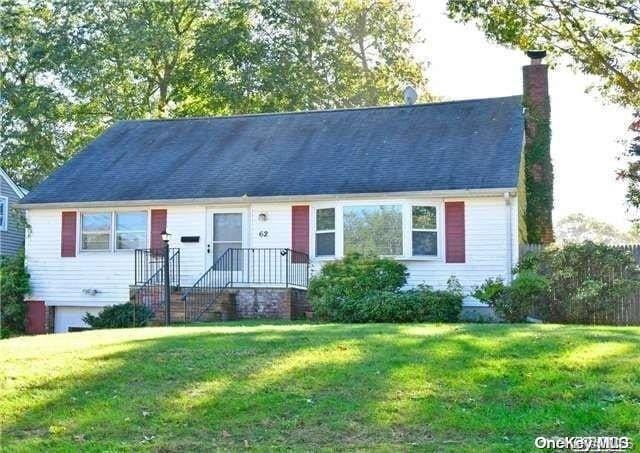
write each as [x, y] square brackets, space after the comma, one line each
[509, 236]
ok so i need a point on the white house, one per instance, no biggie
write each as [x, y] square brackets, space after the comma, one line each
[436, 186]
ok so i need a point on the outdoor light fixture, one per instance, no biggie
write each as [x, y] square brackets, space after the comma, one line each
[262, 217]
[166, 276]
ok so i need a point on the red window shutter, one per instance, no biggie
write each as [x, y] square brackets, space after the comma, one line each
[158, 225]
[300, 228]
[68, 236]
[454, 231]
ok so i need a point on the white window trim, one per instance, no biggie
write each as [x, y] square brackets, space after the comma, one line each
[5, 214]
[436, 230]
[115, 228]
[334, 231]
[110, 246]
[407, 226]
[112, 240]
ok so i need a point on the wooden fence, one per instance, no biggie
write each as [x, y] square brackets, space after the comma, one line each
[625, 312]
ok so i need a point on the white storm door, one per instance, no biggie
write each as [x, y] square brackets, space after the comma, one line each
[227, 234]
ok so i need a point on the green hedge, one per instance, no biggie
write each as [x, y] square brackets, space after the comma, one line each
[118, 316]
[576, 283]
[14, 284]
[367, 289]
[418, 305]
[587, 281]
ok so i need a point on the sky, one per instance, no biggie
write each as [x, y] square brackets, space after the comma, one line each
[586, 132]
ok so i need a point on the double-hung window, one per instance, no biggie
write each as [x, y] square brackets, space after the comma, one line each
[424, 231]
[326, 232]
[4, 213]
[96, 231]
[131, 230]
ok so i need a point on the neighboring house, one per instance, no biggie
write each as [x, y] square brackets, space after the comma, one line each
[435, 186]
[11, 222]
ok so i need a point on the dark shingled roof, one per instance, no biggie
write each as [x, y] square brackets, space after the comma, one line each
[473, 144]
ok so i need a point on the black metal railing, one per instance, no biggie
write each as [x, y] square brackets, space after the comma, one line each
[150, 262]
[149, 285]
[237, 267]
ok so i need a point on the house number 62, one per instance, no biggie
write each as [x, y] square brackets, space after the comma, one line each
[263, 234]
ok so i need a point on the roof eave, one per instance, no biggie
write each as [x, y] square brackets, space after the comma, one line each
[454, 193]
[18, 191]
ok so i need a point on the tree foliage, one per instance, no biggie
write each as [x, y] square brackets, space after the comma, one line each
[597, 37]
[14, 284]
[69, 69]
[577, 228]
[631, 174]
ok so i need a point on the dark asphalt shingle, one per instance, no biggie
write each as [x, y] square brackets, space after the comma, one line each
[452, 145]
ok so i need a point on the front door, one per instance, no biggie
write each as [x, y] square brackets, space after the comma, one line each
[227, 232]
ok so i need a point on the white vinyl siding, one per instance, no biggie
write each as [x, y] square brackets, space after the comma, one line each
[61, 281]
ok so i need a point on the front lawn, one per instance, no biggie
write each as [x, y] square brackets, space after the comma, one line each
[457, 387]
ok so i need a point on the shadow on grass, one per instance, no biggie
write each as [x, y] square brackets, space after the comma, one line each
[330, 385]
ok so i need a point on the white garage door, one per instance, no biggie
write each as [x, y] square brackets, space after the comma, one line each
[66, 317]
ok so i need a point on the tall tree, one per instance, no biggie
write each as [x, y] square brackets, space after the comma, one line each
[598, 37]
[35, 115]
[82, 65]
[580, 228]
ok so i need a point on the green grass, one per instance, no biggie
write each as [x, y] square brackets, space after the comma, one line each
[308, 386]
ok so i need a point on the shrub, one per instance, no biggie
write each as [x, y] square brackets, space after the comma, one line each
[586, 279]
[491, 290]
[366, 289]
[14, 284]
[118, 316]
[417, 305]
[527, 295]
[342, 282]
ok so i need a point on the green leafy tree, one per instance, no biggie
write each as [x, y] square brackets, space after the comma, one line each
[69, 69]
[631, 174]
[35, 120]
[597, 37]
[578, 228]
[600, 38]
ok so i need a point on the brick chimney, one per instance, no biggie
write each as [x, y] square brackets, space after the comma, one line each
[538, 165]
